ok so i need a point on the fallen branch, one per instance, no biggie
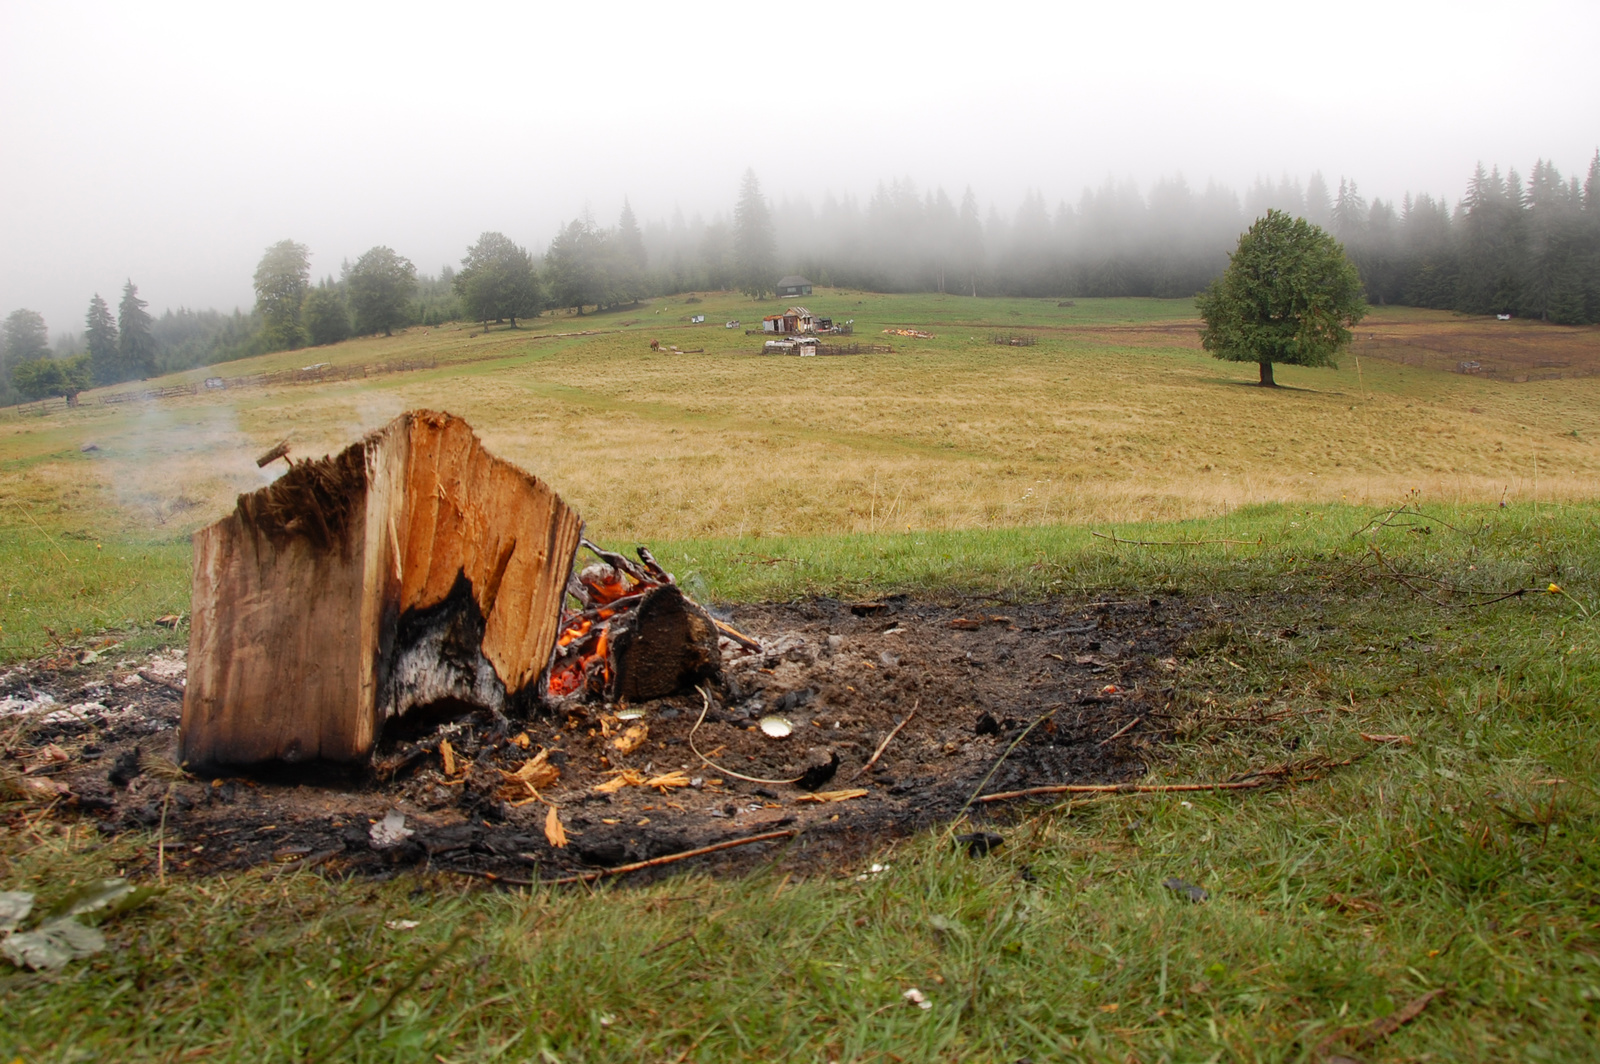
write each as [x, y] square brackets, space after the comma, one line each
[619, 870]
[1112, 536]
[887, 739]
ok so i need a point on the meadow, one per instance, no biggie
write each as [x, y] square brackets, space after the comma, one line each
[1346, 533]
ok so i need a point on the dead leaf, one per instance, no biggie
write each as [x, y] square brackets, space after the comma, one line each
[554, 833]
[833, 796]
[522, 740]
[448, 753]
[631, 739]
[1388, 740]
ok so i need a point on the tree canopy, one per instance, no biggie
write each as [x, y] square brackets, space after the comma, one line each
[1289, 295]
[40, 378]
[281, 280]
[324, 315]
[26, 337]
[381, 284]
[497, 280]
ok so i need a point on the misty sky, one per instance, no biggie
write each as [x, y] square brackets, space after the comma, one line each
[172, 142]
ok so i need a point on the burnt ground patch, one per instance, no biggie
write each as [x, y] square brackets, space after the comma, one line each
[842, 675]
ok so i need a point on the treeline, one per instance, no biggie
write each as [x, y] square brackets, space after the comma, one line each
[1506, 247]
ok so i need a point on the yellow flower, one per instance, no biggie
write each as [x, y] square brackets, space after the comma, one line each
[1554, 589]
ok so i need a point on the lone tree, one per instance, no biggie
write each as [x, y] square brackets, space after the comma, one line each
[497, 281]
[1288, 295]
[381, 285]
[282, 278]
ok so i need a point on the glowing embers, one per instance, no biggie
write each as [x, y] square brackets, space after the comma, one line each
[633, 635]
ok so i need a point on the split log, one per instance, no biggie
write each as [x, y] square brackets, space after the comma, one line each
[411, 570]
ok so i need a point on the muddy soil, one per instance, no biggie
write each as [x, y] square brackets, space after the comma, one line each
[97, 738]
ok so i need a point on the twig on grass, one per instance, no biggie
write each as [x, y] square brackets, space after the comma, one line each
[619, 870]
[161, 838]
[1251, 781]
[887, 739]
[1486, 598]
[394, 995]
[1389, 517]
[1113, 537]
[1120, 732]
[704, 709]
[1377, 1030]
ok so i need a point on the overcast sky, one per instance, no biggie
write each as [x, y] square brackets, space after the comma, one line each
[172, 142]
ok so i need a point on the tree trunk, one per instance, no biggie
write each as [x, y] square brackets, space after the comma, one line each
[411, 570]
[1266, 376]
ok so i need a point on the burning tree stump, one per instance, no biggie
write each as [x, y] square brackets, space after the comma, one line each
[410, 570]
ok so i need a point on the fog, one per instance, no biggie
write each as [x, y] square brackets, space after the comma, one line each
[171, 143]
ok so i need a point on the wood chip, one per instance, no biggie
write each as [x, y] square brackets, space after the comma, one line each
[965, 624]
[833, 796]
[554, 833]
[631, 739]
[666, 781]
[538, 771]
[628, 777]
[448, 753]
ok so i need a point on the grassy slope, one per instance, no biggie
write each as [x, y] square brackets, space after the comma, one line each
[1448, 862]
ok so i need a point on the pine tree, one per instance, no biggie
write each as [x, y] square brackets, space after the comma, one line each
[628, 258]
[100, 332]
[135, 342]
[755, 250]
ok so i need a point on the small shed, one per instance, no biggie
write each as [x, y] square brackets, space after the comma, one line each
[794, 285]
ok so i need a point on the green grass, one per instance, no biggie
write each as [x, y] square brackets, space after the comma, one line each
[1452, 862]
[952, 467]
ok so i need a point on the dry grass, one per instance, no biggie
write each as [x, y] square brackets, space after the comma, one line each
[1115, 415]
[1517, 351]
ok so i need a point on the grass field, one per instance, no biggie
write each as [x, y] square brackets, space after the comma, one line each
[1465, 859]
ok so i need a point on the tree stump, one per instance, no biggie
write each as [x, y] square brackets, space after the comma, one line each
[412, 569]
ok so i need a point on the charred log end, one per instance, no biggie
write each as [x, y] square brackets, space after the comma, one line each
[667, 646]
[436, 670]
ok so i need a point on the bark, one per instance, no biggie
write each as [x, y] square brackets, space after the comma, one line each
[411, 570]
